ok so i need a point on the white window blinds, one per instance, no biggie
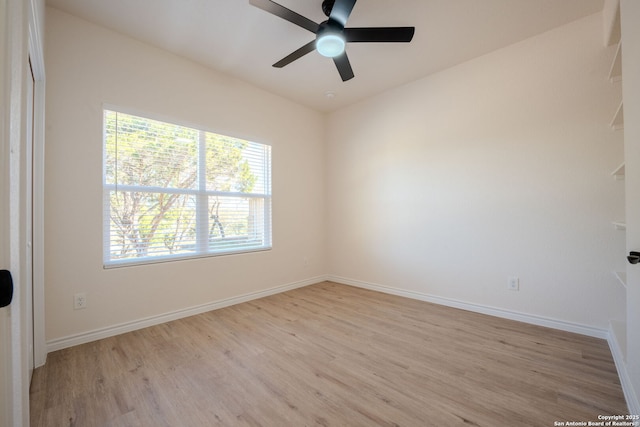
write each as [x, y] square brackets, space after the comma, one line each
[172, 192]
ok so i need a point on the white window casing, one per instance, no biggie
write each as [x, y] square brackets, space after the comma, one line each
[175, 192]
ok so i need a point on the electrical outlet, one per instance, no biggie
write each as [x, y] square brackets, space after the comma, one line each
[513, 284]
[80, 301]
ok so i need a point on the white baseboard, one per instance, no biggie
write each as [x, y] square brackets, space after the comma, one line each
[85, 337]
[625, 381]
[492, 311]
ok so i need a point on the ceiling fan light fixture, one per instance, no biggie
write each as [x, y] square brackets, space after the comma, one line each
[330, 45]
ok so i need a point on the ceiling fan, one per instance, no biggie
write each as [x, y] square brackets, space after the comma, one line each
[331, 35]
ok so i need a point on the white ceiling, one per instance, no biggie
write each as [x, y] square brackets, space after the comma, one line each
[236, 38]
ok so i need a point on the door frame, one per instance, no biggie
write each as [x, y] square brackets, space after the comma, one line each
[5, 342]
[22, 23]
[36, 56]
[12, 141]
[629, 15]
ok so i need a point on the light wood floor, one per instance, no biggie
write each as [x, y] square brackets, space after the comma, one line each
[330, 355]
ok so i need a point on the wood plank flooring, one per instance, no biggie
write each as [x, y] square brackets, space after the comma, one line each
[330, 355]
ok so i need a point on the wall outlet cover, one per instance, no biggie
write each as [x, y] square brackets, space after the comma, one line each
[79, 301]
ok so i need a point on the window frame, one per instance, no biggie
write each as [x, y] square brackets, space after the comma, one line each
[200, 194]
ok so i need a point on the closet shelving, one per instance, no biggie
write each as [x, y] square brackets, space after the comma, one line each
[618, 174]
[615, 73]
[617, 123]
[611, 15]
[613, 37]
[619, 225]
[622, 278]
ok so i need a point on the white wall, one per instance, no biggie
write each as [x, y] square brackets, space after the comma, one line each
[497, 167]
[88, 66]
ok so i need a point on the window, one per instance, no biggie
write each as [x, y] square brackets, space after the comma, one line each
[173, 192]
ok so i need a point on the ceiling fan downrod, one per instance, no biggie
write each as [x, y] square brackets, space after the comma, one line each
[327, 6]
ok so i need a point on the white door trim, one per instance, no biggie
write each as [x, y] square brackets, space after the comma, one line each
[5, 343]
[36, 53]
[14, 137]
[21, 34]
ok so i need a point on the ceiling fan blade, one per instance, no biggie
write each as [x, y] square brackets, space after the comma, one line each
[341, 11]
[286, 14]
[344, 67]
[379, 34]
[309, 47]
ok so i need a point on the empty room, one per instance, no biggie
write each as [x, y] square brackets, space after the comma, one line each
[335, 213]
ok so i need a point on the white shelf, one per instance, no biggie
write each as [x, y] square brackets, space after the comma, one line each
[617, 123]
[620, 225]
[615, 73]
[611, 19]
[618, 174]
[622, 277]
